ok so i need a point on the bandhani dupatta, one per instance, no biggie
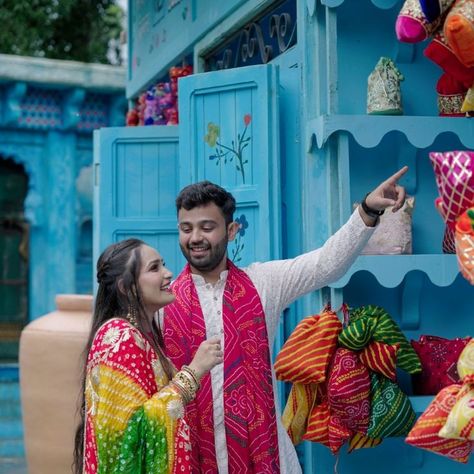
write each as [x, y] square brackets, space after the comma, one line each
[133, 417]
[249, 407]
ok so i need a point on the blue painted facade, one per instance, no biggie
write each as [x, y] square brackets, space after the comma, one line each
[49, 111]
[312, 153]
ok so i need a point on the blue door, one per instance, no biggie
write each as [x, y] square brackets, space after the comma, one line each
[228, 133]
[136, 180]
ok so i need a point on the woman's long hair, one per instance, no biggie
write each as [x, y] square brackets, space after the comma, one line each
[118, 294]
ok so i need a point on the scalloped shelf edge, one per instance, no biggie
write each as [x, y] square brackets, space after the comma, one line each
[368, 130]
[390, 270]
[382, 4]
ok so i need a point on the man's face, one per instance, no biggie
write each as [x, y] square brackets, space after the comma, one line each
[203, 237]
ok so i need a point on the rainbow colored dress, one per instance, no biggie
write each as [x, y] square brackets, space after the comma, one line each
[134, 419]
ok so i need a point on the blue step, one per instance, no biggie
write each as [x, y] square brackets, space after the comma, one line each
[10, 406]
[9, 372]
[11, 428]
[14, 465]
[12, 448]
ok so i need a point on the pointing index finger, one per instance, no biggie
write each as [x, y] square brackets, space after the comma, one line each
[395, 177]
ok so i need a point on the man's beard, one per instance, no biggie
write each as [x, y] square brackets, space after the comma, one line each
[211, 260]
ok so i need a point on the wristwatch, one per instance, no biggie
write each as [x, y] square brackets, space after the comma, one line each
[369, 211]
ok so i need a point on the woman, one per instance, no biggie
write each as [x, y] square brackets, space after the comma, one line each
[134, 399]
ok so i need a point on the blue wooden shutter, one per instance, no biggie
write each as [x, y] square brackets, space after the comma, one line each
[136, 182]
[229, 135]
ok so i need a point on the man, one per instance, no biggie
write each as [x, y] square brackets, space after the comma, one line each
[234, 420]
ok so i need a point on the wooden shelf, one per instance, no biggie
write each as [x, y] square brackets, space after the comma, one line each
[390, 270]
[368, 130]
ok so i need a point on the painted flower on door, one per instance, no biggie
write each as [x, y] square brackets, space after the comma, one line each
[238, 241]
[232, 153]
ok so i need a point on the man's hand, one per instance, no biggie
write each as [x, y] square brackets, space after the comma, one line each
[388, 193]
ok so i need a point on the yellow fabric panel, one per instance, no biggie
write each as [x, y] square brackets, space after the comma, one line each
[468, 104]
[118, 397]
[460, 422]
[298, 407]
[159, 408]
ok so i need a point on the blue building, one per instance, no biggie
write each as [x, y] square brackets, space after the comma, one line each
[288, 79]
[49, 109]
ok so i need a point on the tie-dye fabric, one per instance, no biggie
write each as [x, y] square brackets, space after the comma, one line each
[134, 419]
[249, 406]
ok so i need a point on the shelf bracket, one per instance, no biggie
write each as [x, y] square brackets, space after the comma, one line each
[411, 295]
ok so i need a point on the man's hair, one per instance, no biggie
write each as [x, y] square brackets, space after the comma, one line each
[205, 192]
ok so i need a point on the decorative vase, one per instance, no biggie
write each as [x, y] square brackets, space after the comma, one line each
[51, 358]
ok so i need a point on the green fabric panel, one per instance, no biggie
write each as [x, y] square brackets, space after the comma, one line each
[358, 333]
[391, 413]
[140, 449]
[373, 322]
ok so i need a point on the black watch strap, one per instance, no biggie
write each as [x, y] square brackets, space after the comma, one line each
[369, 211]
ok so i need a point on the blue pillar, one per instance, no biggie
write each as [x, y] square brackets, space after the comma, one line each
[61, 215]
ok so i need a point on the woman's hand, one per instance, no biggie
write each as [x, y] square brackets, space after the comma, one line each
[208, 355]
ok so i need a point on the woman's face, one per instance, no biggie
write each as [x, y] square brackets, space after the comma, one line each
[154, 280]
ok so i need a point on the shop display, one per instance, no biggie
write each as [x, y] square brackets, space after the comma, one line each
[159, 104]
[459, 30]
[383, 91]
[464, 240]
[393, 234]
[447, 425]
[451, 95]
[425, 433]
[438, 357]
[454, 173]
[354, 401]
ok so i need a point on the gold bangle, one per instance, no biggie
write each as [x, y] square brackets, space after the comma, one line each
[187, 380]
[185, 394]
[186, 384]
[193, 374]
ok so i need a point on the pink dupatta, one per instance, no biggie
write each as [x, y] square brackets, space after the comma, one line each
[249, 407]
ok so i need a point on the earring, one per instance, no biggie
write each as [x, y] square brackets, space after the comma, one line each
[132, 315]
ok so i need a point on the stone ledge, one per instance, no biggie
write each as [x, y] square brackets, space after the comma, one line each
[55, 72]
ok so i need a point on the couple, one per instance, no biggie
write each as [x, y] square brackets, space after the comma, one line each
[199, 394]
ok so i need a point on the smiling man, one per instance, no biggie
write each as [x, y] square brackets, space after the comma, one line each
[235, 422]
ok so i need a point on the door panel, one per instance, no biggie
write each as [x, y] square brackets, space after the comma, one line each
[135, 184]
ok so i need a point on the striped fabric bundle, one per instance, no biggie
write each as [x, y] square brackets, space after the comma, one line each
[359, 441]
[318, 424]
[460, 421]
[373, 323]
[298, 408]
[381, 358]
[305, 356]
[425, 435]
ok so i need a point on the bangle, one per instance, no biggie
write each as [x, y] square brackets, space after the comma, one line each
[192, 373]
[369, 211]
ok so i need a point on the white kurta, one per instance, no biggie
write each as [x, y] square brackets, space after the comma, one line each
[279, 283]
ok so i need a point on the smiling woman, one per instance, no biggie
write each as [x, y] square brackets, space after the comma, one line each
[133, 397]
